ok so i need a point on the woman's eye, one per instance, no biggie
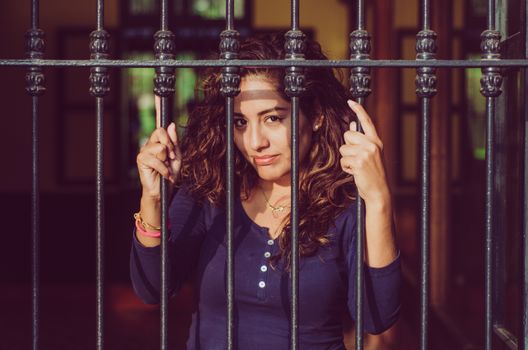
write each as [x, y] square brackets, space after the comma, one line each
[274, 118]
[239, 122]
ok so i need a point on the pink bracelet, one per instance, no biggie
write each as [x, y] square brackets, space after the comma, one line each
[155, 234]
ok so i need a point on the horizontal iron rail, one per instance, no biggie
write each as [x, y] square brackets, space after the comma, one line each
[266, 63]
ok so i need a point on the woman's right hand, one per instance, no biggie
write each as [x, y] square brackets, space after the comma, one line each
[160, 155]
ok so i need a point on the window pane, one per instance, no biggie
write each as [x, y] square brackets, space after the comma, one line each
[215, 9]
[143, 7]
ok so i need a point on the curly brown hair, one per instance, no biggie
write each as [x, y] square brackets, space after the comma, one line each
[325, 189]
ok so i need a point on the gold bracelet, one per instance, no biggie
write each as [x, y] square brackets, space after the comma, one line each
[145, 224]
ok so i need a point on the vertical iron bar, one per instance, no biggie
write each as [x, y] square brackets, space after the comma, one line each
[164, 87]
[360, 15]
[524, 329]
[230, 218]
[100, 223]
[490, 87]
[99, 87]
[294, 341]
[293, 82]
[425, 89]
[424, 213]
[229, 45]
[35, 88]
[294, 14]
[100, 202]
[164, 109]
[490, 173]
[35, 218]
[360, 89]
[230, 88]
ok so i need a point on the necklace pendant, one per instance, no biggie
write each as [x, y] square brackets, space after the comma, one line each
[277, 209]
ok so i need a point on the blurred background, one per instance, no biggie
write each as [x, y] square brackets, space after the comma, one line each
[67, 163]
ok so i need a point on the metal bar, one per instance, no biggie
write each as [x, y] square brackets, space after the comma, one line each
[35, 88]
[294, 14]
[164, 87]
[99, 223]
[294, 340]
[99, 200]
[360, 89]
[293, 82]
[360, 13]
[35, 224]
[34, 14]
[164, 297]
[230, 15]
[264, 63]
[230, 161]
[425, 89]
[230, 88]
[490, 87]
[424, 223]
[99, 87]
[524, 289]
[164, 15]
[99, 14]
[490, 174]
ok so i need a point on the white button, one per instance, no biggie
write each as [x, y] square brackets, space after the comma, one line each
[263, 268]
[262, 284]
[270, 242]
[267, 254]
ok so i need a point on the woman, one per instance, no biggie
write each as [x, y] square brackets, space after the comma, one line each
[334, 161]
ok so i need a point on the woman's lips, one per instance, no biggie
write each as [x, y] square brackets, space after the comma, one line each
[266, 160]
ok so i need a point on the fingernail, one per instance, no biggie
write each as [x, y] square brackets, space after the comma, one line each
[352, 103]
[353, 126]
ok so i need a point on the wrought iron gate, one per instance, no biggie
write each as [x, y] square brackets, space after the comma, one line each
[492, 65]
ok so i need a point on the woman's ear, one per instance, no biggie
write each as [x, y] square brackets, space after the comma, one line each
[318, 122]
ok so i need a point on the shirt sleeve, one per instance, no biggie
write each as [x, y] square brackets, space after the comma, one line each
[381, 293]
[186, 232]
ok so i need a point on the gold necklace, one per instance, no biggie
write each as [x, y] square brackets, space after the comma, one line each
[275, 209]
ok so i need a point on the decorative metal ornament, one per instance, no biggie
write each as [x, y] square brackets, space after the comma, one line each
[426, 50]
[360, 76]
[99, 49]
[229, 47]
[491, 81]
[164, 49]
[35, 50]
[294, 80]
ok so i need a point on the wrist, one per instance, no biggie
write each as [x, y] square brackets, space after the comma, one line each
[380, 202]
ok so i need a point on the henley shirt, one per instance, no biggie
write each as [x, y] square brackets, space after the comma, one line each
[197, 253]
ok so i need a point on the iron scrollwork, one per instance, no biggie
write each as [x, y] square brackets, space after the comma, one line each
[35, 46]
[229, 47]
[426, 50]
[164, 49]
[491, 81]
[360, 76]
[294, 80]
[99, 50]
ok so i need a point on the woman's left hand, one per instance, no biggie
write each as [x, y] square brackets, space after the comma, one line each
[361, 156]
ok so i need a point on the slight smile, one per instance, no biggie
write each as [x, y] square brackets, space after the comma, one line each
[265, 160]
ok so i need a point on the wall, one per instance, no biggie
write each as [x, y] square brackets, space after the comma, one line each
[330, 27]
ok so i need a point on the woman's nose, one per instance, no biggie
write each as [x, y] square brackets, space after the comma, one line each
[257, 139]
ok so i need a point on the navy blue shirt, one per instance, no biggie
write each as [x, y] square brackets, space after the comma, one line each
[197, 251]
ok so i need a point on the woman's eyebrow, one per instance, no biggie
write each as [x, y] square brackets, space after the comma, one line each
[266, 111]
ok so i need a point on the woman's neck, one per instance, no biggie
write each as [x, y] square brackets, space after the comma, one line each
[275, 190]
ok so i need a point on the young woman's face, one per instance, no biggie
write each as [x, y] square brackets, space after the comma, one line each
[263, 129]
